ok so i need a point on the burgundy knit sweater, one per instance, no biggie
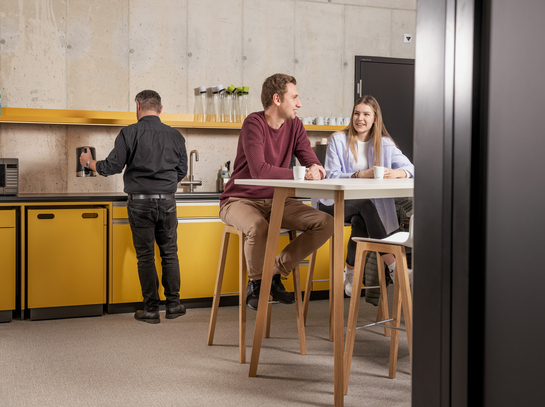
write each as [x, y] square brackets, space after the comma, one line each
[265, 153]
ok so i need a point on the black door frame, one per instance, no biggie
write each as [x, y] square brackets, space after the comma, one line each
[450, 128]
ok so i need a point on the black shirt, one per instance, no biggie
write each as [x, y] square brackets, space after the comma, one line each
[154, 155]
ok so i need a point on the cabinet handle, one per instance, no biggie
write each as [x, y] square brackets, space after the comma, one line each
[89, 215]
[46, 216]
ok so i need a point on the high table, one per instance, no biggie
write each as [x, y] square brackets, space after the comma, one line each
[339, 190]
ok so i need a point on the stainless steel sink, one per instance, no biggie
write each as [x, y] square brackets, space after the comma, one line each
[198, 195]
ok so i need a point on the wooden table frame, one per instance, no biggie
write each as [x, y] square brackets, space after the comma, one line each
[339, 190]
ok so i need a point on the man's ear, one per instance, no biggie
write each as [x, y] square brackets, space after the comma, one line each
[276, 99]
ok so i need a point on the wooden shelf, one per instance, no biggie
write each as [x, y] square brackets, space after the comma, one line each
[108, 118]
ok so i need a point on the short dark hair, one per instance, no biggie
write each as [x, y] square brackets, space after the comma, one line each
[149, 100]
[275, 84]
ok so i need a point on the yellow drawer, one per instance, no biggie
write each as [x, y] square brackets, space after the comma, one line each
[183, 210]
[7, 219]
[211, 209]
[120, 212]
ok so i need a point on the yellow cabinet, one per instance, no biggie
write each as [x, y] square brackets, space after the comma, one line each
[8, 263]
[199, 242]
[66, 266]
[199, 238]
[124, 281]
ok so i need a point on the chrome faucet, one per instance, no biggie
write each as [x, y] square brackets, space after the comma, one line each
[192, 183]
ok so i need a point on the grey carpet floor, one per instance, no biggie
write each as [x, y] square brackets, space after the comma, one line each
[114, 360]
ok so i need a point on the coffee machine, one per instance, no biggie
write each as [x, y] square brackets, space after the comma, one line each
[82, 171]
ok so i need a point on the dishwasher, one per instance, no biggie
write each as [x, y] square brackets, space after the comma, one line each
[66, 261]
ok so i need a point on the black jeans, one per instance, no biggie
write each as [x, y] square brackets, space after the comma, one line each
[365, 220]
[155, 220]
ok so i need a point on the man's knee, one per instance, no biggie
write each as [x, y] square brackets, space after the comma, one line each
[328, 223]
[257, 232]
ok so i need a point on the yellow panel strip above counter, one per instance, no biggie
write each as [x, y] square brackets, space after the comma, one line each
[110, 118]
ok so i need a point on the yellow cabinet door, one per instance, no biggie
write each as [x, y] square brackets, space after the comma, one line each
[124, 281]
[199, 244]
[66, 252]
[8, 262]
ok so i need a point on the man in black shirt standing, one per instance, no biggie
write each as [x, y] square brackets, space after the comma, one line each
[155, 160]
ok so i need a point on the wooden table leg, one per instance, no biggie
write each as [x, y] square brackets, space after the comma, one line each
[277, 211]
[338, 298]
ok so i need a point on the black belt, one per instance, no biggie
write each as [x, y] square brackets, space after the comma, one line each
[152, 196]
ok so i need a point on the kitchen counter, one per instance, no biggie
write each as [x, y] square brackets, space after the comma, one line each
[96, 197]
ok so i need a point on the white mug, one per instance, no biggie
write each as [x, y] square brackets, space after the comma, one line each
[299, 172]
[320, 121]
[339, 121]
[379, 172]
[346, 121]
[332, 121]
[307, 120]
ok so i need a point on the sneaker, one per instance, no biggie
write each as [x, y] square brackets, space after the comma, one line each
[279, 293]
[348, 277]
[252, 294]
[392, 271]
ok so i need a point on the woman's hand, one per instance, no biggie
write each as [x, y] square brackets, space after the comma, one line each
[389, 173]
[368, 173]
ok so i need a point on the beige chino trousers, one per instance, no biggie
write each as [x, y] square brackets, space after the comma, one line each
[251, 217]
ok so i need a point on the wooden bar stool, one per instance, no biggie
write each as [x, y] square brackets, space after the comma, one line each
[227, 231]
[383, 303]
[395, 245]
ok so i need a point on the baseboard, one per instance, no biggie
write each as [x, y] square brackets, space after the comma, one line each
[6, 316]
[66, 312]
[227, 301]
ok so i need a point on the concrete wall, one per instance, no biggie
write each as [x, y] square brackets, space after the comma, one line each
[96, 55]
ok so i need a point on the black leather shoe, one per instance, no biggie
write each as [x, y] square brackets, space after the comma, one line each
[175, 312]
[151, 317]
[252, 294]
[279, 293]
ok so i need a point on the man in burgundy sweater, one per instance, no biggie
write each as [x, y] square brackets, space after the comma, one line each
[267, 142]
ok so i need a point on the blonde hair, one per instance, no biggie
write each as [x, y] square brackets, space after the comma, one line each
[377, 131]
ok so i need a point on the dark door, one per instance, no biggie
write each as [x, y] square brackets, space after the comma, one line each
[391, 82]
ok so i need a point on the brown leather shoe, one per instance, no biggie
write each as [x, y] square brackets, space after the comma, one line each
[151, 317]
[175, 312]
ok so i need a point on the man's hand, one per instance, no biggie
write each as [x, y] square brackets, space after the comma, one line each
[315, 172]
[85, 157]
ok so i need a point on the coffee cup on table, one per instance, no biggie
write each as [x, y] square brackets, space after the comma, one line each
[299, 172]
[379, 172]
[339, 121]
[332, 121]
[320, 121]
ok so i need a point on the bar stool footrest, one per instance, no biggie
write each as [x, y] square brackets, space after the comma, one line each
[381, 323]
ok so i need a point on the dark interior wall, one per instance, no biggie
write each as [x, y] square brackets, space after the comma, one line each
[515, 270]
[479, 193]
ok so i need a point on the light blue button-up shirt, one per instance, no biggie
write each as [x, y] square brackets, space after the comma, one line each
[339, 164]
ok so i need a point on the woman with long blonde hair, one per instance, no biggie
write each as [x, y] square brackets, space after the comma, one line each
[353, 153]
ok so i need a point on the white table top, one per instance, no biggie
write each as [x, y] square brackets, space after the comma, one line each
[354, 188]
